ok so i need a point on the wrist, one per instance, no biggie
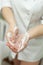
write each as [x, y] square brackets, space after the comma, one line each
[27, 35]
[30, 35]
[12, 24]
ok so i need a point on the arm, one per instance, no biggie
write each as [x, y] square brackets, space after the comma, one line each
[8, 15]
[36, 31]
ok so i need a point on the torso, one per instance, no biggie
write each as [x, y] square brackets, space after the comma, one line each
[29, 11]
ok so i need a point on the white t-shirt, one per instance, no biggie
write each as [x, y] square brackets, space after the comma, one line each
[27, 12]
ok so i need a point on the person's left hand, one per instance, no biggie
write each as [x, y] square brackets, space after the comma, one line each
[15, 47]
[19, 45]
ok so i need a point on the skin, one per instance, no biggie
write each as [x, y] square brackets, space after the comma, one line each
[9, 17]
[29, 63]
[37, 31]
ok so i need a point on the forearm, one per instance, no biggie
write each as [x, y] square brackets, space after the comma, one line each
[8, 15]
[36, 31]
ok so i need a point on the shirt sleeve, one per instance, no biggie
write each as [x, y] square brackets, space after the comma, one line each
[5, 3]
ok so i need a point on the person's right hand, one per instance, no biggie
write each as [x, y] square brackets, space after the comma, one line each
[12, 33]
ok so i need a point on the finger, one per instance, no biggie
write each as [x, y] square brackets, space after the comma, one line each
[19, 38]
[10, 38]
[23, 47]
[12, 48]
[14, 37]
[16, 31]
[15, 46]
[7, 44]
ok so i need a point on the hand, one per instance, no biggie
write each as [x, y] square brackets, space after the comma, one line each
[20, 44]
[15, 47]
[24, 41]
[12, 34]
